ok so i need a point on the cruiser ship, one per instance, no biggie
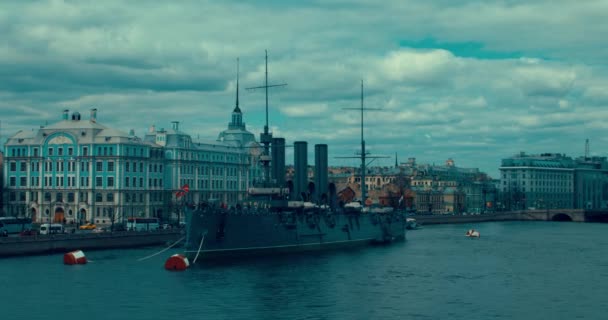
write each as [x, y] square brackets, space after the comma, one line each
[269, 223]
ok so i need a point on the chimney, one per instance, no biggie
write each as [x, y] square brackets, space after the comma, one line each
[321, 173]
[94, 115]
[300, 165]
[278, 160]
[65, 114]
[175, 125]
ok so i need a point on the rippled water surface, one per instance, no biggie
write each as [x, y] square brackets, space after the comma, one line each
[524, 270]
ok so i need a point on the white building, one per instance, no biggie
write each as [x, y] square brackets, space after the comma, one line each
[79, 170]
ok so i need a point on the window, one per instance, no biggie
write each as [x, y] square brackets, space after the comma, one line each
[71, 197]
[59, 197]
[99, 166]
[23, 182]
[110, 165]
[126, 181]
[60, 151]
[13, 166]
[85, 151]
[50, 151]
[141, 167]
[98, 198]
[110, 197]
[35, 152]
[98, 181]
[141, 182]
[13, 181]
[127, 166]
[110, 181]
[70, 151]
[47, 196]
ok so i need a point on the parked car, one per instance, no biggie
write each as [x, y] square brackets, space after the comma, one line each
[27, 233]
[88, 226]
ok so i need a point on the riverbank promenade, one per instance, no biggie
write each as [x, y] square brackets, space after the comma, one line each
[41, 244]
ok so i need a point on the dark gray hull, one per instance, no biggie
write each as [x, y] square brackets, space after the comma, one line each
[229, 235]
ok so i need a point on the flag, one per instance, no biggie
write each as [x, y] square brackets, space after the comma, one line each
[182, 191]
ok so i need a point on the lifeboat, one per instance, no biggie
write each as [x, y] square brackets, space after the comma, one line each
[472, 233]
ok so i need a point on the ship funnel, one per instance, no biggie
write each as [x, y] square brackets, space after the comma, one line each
[278, 161]
[300, 164]
[321, 183]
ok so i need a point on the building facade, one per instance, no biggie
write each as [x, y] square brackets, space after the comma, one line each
[77, 170]
[553, 180]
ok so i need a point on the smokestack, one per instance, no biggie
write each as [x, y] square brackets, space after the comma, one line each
[278, 161]
[65, 114]
[94, 115]
[300, 164]
[321, 183]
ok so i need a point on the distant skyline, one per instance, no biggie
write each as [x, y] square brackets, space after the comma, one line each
[475, 81]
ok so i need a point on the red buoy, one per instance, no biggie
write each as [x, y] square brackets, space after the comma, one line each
[177, 262]
[74, 257]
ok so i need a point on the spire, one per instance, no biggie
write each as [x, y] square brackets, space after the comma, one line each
[396, 162]
[237, 109]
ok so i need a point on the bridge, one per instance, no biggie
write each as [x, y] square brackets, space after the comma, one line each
[575, 215]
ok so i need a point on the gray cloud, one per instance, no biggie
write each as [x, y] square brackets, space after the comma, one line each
[533, 80]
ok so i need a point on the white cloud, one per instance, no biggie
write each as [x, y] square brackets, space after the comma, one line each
[304, 110]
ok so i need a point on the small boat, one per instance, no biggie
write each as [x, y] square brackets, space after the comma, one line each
[411, 224]
[472, 233]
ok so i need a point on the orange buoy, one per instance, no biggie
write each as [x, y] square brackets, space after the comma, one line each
[177, 262]
[74, 257]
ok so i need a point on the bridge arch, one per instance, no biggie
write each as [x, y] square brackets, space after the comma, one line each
[561, 217]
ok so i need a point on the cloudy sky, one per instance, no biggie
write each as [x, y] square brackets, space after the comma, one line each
[475, 81]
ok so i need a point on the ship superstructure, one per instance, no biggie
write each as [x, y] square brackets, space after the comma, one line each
[277, 219]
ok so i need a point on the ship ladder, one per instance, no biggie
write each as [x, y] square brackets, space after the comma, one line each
[199, 248]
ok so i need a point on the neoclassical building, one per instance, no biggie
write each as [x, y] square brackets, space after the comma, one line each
[553, 180]
[79, 170]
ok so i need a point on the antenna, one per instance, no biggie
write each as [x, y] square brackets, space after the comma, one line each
[266, 137]
[363, 154]
[237, 83]
[586, 149]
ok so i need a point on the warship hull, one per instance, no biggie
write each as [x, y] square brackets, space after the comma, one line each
[213, 235]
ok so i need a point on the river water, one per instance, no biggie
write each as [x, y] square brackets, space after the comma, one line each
[523, 270]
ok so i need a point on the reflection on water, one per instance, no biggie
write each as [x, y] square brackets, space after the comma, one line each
[514, 270]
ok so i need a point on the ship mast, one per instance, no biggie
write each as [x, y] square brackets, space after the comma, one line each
[266, 136]
[364, 154]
